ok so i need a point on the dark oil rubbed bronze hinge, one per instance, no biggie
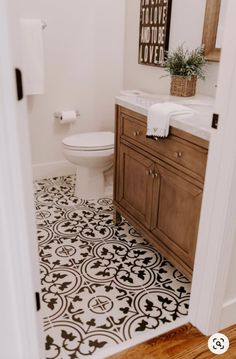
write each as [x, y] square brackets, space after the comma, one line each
[215, 120]
[37, 300]
[19, 84]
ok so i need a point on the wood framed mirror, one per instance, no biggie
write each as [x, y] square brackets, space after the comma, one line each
[210, 28]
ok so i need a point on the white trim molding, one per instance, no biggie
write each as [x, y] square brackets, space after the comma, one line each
[228, 314]
[52, 169]
[217, 224]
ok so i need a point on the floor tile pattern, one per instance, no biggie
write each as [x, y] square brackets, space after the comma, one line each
[101, 284]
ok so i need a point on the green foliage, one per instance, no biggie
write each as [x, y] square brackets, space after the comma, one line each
[184, 62]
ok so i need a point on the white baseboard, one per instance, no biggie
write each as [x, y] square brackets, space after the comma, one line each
[52, 169]
[228, 315]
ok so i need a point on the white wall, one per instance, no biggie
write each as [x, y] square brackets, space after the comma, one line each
[186, 27]
[84, 54]
[86, 65]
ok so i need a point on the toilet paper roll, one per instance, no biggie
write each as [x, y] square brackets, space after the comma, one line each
[67, 116]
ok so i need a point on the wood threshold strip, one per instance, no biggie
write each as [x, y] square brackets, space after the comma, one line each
[183, 342]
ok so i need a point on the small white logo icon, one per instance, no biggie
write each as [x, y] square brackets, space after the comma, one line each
[218, 343]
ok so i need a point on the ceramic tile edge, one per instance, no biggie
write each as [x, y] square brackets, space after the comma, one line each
[140, 339]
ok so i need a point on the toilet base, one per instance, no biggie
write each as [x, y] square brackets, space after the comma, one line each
[90, 183]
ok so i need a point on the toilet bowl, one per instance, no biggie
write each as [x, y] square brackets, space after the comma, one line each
[92, 153]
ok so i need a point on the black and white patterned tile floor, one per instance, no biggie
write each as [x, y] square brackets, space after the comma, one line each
[101, 285]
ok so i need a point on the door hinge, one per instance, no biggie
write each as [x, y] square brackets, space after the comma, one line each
[19, 85]
[37, 300]
[215, 120]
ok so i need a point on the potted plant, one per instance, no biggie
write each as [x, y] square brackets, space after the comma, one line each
[185, 67]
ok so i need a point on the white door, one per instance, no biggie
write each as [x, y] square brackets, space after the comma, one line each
[20, 324]
[208, 310]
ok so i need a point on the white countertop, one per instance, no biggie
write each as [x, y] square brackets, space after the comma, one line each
[199, 125]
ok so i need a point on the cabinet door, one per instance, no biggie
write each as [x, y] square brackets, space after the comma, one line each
[135, 184]
[176, 212]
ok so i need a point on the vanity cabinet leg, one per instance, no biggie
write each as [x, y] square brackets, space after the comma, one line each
[117, 219]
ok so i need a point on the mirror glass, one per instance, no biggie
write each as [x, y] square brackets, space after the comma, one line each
[220, 27]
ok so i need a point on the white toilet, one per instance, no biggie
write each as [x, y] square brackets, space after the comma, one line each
[92, 153]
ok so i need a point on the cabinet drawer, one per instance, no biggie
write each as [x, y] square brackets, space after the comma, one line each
[180, 151]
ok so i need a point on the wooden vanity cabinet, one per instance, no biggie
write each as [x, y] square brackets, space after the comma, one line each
[176, 209]
[135, 189]
[158, 186]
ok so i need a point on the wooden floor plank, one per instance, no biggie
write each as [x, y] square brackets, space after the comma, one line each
[184, 342]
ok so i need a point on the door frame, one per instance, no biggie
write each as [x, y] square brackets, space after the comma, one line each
[217, 227]
[216, 224]
[19, 269]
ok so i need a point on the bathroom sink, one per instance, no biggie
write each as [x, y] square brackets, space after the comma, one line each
[132, 93]
[149, 100]
[138, 100]
[144, 98]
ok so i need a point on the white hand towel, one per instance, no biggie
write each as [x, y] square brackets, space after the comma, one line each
[33, 56]
[159, 116]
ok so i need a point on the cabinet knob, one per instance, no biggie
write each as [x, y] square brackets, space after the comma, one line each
[154, 175]
[136, 133]
[177, 154]
[149, 172]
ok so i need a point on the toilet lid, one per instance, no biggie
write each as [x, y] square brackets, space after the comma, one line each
[90, 141]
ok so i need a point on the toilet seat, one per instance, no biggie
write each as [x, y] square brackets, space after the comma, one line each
[90, 141]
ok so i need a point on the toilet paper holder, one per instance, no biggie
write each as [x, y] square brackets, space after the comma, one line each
[58, 115]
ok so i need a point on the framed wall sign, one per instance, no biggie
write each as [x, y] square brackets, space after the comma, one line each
[154, 31]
